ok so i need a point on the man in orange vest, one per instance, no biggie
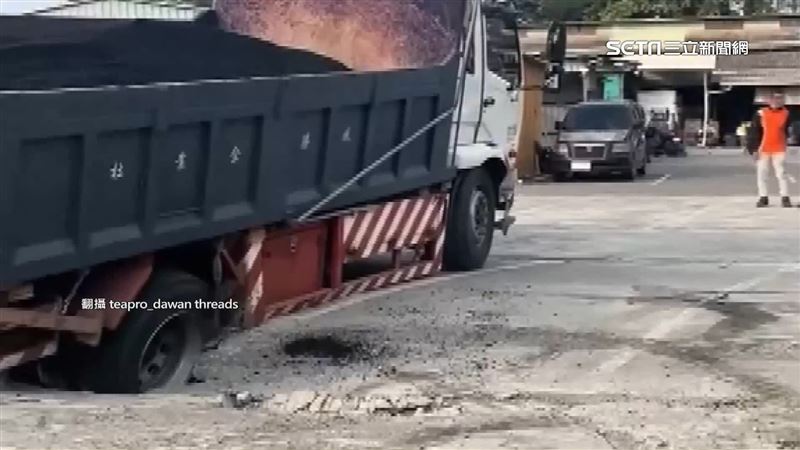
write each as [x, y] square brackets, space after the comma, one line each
[769, 138]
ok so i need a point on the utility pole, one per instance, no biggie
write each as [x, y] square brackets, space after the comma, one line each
[705, 108]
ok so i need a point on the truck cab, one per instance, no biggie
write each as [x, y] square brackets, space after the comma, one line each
[487, 121]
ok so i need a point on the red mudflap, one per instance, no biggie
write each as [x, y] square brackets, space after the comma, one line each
[290, 270]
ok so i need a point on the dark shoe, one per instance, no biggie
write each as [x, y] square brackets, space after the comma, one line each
[785, 202]
[762, 202]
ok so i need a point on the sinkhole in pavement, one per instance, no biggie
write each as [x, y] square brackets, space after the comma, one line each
[327, 347]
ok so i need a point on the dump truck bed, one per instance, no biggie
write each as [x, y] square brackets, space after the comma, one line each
[93, 174]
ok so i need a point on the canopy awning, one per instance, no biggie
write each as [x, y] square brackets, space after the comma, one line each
[758, 77]
[791, 94]
[760, 69]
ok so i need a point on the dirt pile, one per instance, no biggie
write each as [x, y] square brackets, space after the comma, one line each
[366, 35]
[38, 53]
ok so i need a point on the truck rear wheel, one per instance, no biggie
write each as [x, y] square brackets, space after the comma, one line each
[153, 349]
[470, 225]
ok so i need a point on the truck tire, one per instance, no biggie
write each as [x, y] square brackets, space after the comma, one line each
[152, 349]
[470, 226]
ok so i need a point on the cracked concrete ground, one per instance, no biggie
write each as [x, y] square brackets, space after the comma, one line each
[614, 316]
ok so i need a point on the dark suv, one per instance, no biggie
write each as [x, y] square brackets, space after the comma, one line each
[602, 137]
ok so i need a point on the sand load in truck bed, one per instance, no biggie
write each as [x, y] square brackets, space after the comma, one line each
[41, 53]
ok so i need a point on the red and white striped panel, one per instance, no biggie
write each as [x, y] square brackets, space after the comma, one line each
[31, 353]
[393, 225]
[250, 265]
[416, 271]
[376, 230]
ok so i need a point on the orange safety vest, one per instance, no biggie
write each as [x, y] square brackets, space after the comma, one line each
[773, 124]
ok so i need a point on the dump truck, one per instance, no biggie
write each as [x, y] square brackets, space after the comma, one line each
[151, 208]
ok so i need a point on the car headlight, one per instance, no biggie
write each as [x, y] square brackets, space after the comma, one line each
[676, 139]
[620, 147]
[563, 149]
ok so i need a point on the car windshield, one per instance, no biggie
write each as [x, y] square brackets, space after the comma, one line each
[598, 117]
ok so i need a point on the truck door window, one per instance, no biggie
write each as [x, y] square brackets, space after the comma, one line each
[502, 37]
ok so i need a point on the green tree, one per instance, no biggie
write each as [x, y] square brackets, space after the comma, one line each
[711, 8]
[532, 11]
[625, 9]
[528, 9]
[752, 7]
[634, 9]
[566, 9]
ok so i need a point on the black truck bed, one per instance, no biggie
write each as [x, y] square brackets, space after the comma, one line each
[92, 175]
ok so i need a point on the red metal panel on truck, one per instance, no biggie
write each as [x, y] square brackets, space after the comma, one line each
[416, 225]
[292, 263]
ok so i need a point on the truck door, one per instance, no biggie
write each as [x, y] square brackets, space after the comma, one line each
[474, 83]
[490, 103]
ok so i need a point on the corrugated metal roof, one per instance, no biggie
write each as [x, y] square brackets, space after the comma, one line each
[759, 77]
[791, 94]
[676, 62]
[20, 7]
[773, 33]
[777, 68]
[753, 35]
[776, 59]
[126, 9]
[685, 20]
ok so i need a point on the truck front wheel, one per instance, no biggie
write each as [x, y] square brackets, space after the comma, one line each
[153, 349]
[470, 226]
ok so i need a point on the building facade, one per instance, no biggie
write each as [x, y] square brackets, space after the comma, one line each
[720, 91]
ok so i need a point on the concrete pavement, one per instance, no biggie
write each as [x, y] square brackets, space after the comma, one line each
[641, 315]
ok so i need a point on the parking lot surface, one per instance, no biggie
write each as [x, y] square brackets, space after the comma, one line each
[656, 314]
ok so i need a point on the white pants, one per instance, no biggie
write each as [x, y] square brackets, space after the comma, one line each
[762, 171]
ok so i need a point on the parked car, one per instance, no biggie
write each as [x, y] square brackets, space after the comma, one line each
[601, 137]
[795, 133]
[693, 132]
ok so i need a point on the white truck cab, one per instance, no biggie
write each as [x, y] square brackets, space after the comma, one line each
[487, 122]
